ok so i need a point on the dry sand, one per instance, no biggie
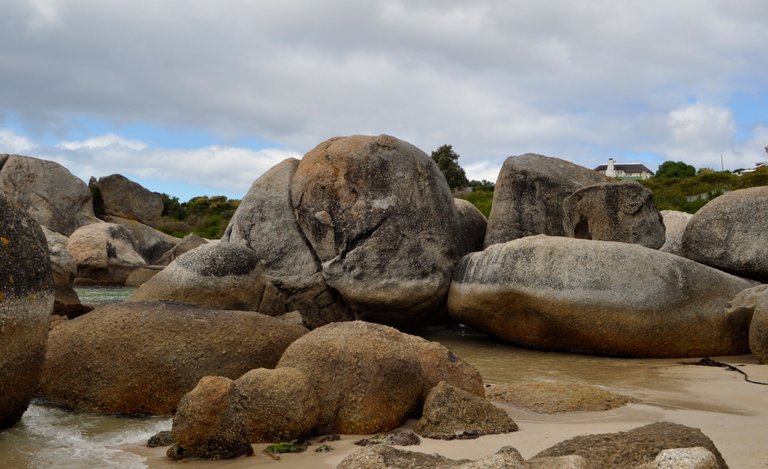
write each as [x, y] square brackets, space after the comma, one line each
[730, 411]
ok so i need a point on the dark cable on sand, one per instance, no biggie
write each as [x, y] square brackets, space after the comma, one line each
[706, 361]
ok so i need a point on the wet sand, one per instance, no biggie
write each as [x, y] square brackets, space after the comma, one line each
[729, 410]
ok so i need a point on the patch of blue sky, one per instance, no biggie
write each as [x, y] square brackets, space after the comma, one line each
[749, 110]
[184, 190]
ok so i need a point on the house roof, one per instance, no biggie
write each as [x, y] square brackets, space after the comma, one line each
[627, 168]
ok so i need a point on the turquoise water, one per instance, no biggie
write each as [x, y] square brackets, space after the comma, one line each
[99, 296]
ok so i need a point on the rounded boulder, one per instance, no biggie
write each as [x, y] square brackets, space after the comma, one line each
[142, 357]
[26, 302]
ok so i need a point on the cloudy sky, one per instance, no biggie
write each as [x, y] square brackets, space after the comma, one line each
[202, 96]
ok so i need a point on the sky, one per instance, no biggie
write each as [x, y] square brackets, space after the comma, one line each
[200, 97]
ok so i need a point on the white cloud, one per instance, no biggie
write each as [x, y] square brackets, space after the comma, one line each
[103, 141]
[10, 142]
[702, 126]
[214, 169]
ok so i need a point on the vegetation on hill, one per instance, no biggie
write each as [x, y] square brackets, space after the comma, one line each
[448, 162]
[691, 192]
[206, 216]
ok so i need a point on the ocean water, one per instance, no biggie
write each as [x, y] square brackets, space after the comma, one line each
[99, 296]
[48, 437]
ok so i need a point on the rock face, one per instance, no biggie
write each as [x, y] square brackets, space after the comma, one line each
[47, 191]
[381, 220]
[731, 233]
[216, 275]
[683, 458]
[529, 194]
[150, 243]
[210, 422]
[599, 297]
[675, 223]
[368, 230]
[105, 253]
[614, 211]
[472, 225]
[118, 196]
[142, 357]
[288, 258]
[633, 448]
[451, 413]
[64, 269]
[279, 405]
[758, 329]
[26, 301]
[366, 376]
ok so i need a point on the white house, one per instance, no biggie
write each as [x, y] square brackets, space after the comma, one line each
[624, 171]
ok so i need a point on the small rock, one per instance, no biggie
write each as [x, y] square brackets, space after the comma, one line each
[451, 413]
[163, 438]
[395, 438]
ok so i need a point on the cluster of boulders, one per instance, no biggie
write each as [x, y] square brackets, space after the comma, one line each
[361, 229]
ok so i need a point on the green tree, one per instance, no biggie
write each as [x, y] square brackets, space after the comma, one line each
[448, 162]
[675, 169]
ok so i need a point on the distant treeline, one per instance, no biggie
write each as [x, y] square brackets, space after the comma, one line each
[206, 216]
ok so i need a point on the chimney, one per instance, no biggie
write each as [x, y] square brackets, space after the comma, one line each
[611, 170]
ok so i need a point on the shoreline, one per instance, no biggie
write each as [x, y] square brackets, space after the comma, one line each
[730, 411]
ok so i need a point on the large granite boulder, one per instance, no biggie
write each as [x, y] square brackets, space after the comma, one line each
[633, 448]
[47, 191]
[614, 211]
[757, 299]
[380, 218]
[367, 377]
[142, 357]
[215, 275]
[210, 422]
[26, 301]
[64, 269]
[674, 224]
[529, 194]
[152, 244]
[105, 254]
[118, 196]
[599, 297]
[731, 233]
[265, 222]
[451, 413]
[472, 225]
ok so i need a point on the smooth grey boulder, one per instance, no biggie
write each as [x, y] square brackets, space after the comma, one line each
[387, 457]
[472, 225]
[105, 254]
[381, 220]
[118, 196]
[26, 301]
[674, 223]
[614, 211]
[215, 275]
[142, 357]
[731, 233]
[756, 300]
[265, 222]
[599, 297]
[529, 193]
[152, 244]
[47, 191]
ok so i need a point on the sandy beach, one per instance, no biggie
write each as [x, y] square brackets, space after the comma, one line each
[729, 410]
